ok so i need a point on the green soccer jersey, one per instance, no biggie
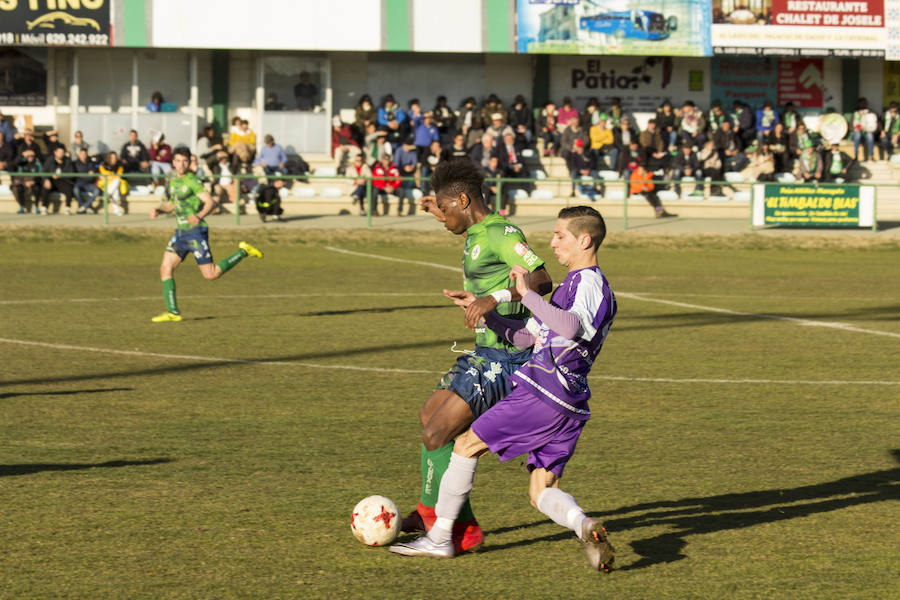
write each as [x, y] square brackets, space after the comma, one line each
[493, 246]
[184, 193]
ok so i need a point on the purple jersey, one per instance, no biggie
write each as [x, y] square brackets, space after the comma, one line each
[557, 371]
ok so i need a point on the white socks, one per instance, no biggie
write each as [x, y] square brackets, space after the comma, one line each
[455, 487]
[561, 508]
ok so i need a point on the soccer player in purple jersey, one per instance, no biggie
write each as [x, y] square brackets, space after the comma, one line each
[548, 407]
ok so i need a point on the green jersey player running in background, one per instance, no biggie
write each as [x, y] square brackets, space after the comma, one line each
[478, 380]
[190, 203]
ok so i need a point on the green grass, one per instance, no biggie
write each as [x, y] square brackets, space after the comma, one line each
[139, 476]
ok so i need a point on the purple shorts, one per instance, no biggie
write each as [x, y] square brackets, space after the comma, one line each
[521, 423]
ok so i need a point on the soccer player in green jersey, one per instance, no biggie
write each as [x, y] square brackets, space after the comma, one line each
[190, 203]
[479, 379]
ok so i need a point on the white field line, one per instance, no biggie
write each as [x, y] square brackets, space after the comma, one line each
[806, 322]
[204, 297]
[308, 365]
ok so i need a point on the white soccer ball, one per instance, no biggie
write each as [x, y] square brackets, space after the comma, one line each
[375, 521]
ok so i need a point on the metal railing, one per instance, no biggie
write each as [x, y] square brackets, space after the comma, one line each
[418, 181]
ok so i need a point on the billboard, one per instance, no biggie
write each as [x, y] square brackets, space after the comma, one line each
[73, 23]
[602, 27]
[813, 206]
[755, 79]
[799, 27]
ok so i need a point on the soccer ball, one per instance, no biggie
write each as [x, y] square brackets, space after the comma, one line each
[375, 521]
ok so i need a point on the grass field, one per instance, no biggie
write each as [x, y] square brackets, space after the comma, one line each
[744, 441]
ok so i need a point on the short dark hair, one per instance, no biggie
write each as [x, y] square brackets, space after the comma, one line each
[584, 219]
[458, 176]
[183, 151]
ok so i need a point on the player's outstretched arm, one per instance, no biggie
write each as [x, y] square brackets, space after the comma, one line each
[460, 298]
[165, 207]
[429, 204]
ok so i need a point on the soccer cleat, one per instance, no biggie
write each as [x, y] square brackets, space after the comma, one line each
[250, 250]
[166, 317]
[600, 552]
[424, 546]
[421, 519]
[467, 536]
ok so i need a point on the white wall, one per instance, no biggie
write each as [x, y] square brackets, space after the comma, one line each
[440, 26]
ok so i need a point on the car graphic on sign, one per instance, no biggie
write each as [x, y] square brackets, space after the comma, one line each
[634, 24]
[48, 21]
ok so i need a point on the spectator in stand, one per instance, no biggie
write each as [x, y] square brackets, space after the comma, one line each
[383, 148]
[117, 186]
[799, 140]
[428, 162]
[481, 154]
[78, 143]
[26, 185]
[510, 161]
[642, 184]
[836, 165]
[235, 125]
[370, 143]
[581, 166]
[742, 120]
[444, 120]
[272, 103]
[385, 181]
[224, 186]
[571, 132]
[863, 124]
[889, 138]
[565, 114]
[51, 142]
[711, 165]
[343, 144]
[616, 113]
[685, 164]
[27, 142]
[7, 129]
[623, 136]
[208, 146]
[766, 118]
[790, 118]
[547, 131]
[691, 125]
[591, 113]
[779, 143]
[457, 149]
[393, 119]
[361, 172]
[407, 160]
[809, 166]
[365, 114]
[8, 155]
[426, 133]
[653, 148]
[729, 146]
[57, 163]
[135, 157]
[716, 117]
[268, 199]
[761, 165]
[414, 117]
[491, 107]
[272, 157]
[85, 190]
[628, 156]
[492, 172]
[243, 136]
[306, 93]
[521, 119]
[470, 122]
[498, 128]
[666, 122]
[603, 149]
[160, 156]
[156, 102]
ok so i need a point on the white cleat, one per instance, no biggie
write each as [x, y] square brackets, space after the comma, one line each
[424, 546]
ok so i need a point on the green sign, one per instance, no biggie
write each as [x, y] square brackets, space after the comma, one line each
[805, 205]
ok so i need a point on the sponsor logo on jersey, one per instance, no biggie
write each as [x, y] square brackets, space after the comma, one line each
[530, 258]
[520, 249]
[476, 250]
[510, 229]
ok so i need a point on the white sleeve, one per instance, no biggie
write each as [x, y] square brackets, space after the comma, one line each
[588, 302]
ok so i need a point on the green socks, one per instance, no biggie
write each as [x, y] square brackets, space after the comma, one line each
[169, 295]
[227, 263]
[434, 464]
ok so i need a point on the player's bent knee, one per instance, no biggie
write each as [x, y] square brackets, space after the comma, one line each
[469, 445]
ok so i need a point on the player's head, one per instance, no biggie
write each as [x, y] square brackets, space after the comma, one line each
[181, 160]
[578, 233]
[457, 189]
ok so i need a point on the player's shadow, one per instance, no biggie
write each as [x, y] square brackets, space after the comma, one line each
[64, 392]
[31, 468]
[694, 516]
[325, 313]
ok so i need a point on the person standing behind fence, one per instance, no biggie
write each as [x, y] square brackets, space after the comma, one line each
[383, 170]
[25, 184]
[57, 163]
[361, 171]
[407, 161]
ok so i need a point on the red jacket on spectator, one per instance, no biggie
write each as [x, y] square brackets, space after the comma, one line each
[378, 176]
[342, 136]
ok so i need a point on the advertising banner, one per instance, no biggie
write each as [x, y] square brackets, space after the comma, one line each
[847, 28]
[54, 23]
[754, 80]
[801, 81]
[631, 27]
[813, 206]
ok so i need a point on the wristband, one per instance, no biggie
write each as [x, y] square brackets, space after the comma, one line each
[502, 296]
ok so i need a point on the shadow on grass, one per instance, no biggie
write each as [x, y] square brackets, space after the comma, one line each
[325, 313]
[694, 516]
[64, 392]
[29, 469]
[216, 364]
